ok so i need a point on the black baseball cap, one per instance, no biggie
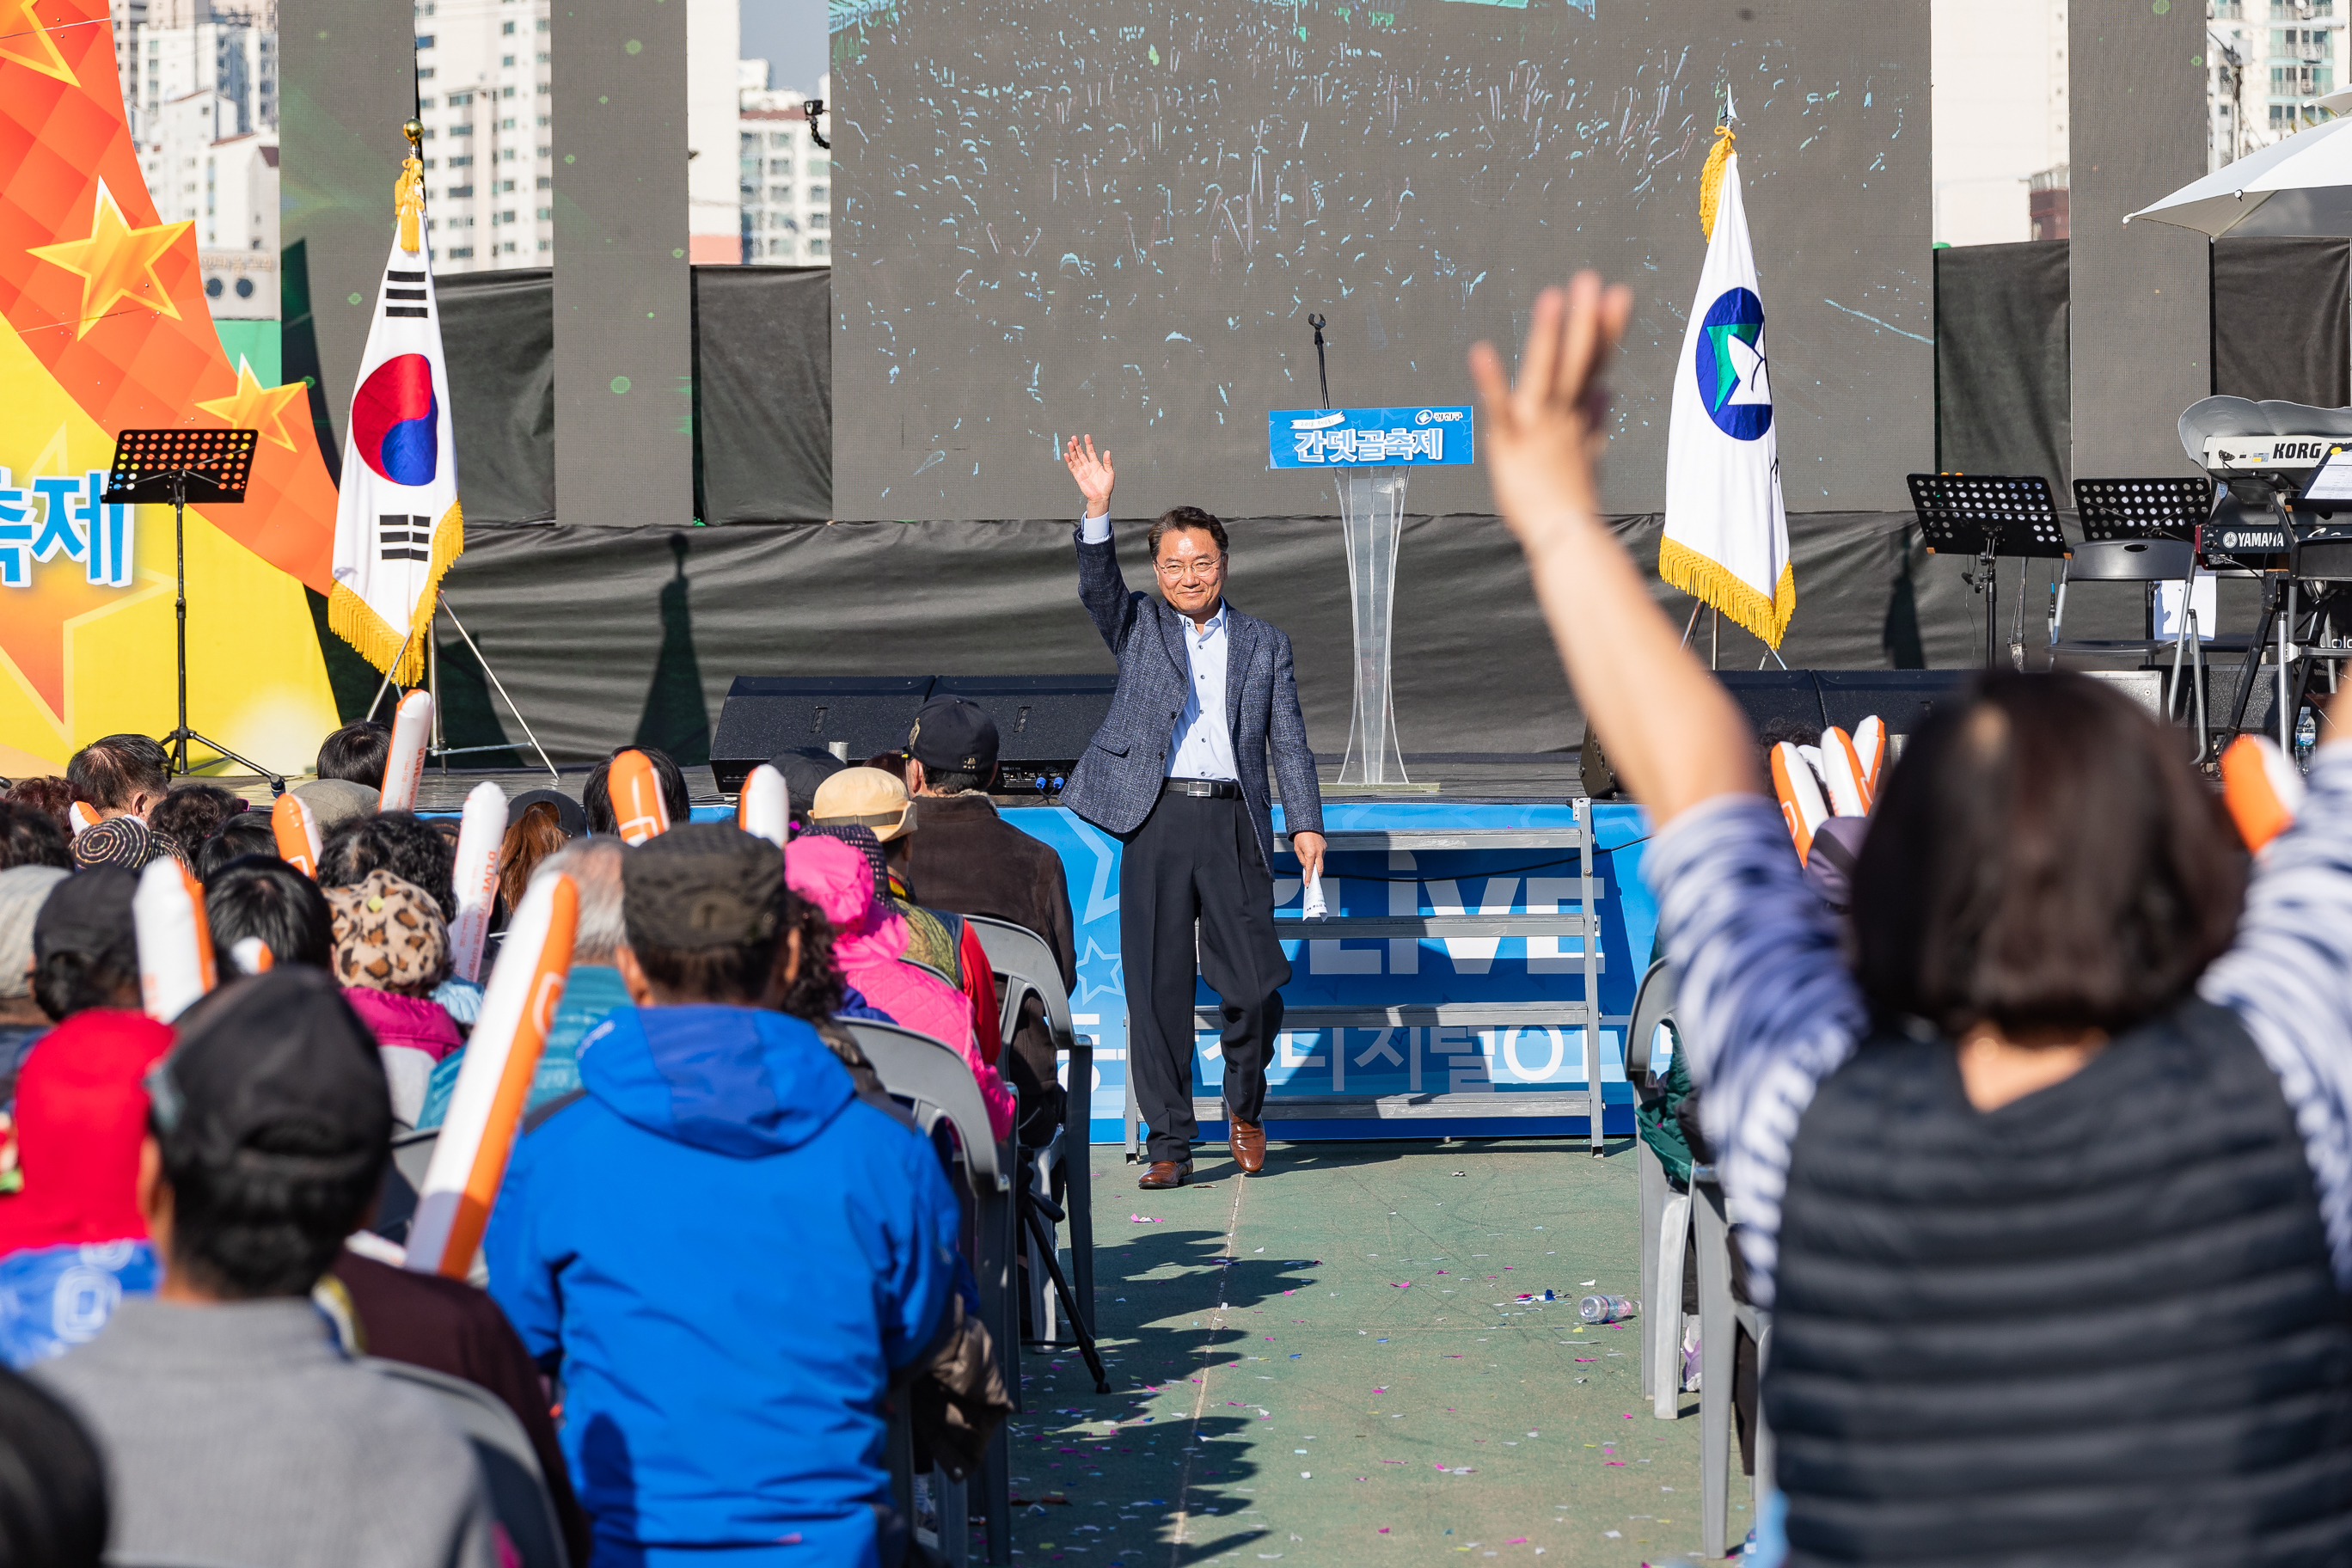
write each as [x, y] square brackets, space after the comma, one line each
[701, 885]
[804, 770]
[275, 1073]
[953, 734]
[89, 913]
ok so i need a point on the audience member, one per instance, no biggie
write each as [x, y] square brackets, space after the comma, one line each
[806, 771]
[2066, 1092]
[262, 900]
[85, 948]
[189, 811]
[119, 775]
[533, 834]
[72, 1240]
[123, 842]
[400, 842]
[382, 1310]
[356, 752]
[53, 1512]
[569, 815]
[869, 810]
[28, 836]
[867, 943]
[51, 797]
[392, 948]
[632, 1242]
[337, 803]
[246, 832]
[592, 990]
[596, 795]
[23, 890]
[233, 1429]
[970, 859]
[818, 996]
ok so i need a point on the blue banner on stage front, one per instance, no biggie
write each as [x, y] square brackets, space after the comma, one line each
[1415, 436]
[1378, 971]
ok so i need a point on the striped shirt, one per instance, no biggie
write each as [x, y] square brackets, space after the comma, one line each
[1768, 1009]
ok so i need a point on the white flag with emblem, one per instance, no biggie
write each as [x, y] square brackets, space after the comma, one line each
[398, 525]
[1727, 534]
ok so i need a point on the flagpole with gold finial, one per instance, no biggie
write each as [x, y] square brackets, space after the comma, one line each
[408, 191]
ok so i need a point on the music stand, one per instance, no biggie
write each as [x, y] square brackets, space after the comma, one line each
[179, 465]
[1987, 516]
[2169, 506]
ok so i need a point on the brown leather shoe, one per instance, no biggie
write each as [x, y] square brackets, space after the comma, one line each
[1166, 1174]
[1248, 1144]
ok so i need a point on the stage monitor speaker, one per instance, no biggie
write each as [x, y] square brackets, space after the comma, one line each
[853, 716]
[1779, 703]
[1902, 699]
[1044, 723]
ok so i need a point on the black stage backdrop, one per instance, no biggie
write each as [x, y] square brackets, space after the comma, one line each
[2280, 320]
[2002, 403]
[762, 401]
[610, 634]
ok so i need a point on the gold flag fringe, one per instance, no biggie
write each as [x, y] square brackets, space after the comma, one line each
[1710, 179]
[1708, 581]
[379, 642]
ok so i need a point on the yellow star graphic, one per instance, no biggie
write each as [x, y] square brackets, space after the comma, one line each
[254, 406]
[25, 39]
[117, 262]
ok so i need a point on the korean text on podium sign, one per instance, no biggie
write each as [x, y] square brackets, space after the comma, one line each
[1411, 436]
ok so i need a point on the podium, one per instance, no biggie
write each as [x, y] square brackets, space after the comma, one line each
[1373, 452]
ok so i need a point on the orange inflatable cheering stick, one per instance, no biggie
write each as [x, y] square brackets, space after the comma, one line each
[765, 807]
[404, 762]
[637, 793]
[469, 1160]
[1802, 806]
[2262, 789]
[175, 945]
[297, 832]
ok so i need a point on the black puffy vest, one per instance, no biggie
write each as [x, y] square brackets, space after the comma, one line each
[2095, 1326]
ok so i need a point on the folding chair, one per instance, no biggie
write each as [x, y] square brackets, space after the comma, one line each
[934, 1079]
[1025, 965]
[1665, 1213]
[2149, 562]
[510, 1472]
[1721, 1317]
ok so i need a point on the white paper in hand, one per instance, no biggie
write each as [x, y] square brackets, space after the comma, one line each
[1314, 907]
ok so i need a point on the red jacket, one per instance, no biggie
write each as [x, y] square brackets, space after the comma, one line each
[81, 1113]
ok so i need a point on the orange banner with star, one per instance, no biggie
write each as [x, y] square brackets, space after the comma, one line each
[109, 331]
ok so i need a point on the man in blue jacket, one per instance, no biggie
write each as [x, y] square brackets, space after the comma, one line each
[724, 1252]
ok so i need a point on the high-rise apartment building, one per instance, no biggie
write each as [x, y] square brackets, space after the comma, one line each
[786, 180]
[484, 94]
[2269, 60]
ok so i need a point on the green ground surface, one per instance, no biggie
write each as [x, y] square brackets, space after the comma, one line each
[1281, 1393]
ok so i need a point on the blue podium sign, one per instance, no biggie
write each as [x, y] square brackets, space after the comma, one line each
[1417, 436]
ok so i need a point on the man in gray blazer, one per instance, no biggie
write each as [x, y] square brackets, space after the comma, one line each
[1178, 773]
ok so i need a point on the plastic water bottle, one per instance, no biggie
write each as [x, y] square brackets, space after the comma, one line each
[1604, 1309]
[2306, 735]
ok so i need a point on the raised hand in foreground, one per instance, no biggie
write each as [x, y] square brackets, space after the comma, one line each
[1672, 731]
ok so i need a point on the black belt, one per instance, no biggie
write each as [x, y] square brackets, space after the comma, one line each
[1204, 789]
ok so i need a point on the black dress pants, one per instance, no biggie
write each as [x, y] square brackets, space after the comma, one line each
[1197, 858]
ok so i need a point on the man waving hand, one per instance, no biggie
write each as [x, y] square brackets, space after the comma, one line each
[1178, 773]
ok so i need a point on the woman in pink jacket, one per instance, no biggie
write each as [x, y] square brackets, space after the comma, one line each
[867, 945]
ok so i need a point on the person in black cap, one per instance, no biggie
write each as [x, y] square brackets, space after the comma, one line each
[85, 948]
[806, 771]
[233, 1429]
[725, 1252]
[970, 860]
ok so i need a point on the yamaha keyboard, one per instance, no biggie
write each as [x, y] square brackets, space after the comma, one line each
[2313, 550]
